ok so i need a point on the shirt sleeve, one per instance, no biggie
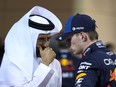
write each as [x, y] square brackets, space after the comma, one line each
[60, 75]
[41, 77]
[56, 80]
[87, 74]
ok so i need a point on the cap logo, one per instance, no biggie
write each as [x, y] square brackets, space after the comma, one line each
[77, 28]
[60, 38]
[100, 44]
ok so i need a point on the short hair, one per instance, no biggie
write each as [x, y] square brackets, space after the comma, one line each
[93, 35]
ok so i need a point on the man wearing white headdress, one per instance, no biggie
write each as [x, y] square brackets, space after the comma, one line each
[20, 66]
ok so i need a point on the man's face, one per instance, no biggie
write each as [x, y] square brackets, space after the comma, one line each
[76, 47]
[43, 40]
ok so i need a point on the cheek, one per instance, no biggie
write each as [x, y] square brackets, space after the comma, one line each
[46, 44]
[75, 45]
[39, 43]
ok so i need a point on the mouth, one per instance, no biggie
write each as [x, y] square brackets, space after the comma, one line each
[43, 47]
[73, 52]
[40, 44]
[38, 52]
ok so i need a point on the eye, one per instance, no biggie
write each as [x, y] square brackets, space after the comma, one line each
[41, 39]
[48, 38]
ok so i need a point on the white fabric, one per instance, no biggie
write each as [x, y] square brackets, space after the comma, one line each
[45, 77]
[19, 61]
[56, 80]
[39, 19]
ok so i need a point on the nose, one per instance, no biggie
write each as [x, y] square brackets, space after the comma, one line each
[70, 49]
[46, 44]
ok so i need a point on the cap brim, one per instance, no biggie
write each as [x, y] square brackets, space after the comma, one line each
[63, 36]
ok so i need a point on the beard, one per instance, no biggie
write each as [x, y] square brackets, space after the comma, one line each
[38, 51]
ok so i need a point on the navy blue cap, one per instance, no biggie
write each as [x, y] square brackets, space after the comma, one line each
[76, 24]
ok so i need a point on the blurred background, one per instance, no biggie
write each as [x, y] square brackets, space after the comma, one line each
[103, 11]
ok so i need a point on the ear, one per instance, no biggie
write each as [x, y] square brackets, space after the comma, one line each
[83, 36]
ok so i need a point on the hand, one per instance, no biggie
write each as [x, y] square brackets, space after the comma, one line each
[47, 55]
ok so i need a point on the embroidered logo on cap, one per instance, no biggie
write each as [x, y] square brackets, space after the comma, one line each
[77, 28]
[60, 38]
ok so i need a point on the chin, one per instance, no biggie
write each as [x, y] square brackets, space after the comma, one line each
[43, 47]
[78, 55]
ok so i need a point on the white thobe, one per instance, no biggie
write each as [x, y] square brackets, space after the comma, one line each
[20, 67]
[44, 76]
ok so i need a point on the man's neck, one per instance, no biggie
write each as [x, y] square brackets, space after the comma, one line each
[87, 44]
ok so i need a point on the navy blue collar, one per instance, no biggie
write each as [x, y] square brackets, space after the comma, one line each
[98, 45]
